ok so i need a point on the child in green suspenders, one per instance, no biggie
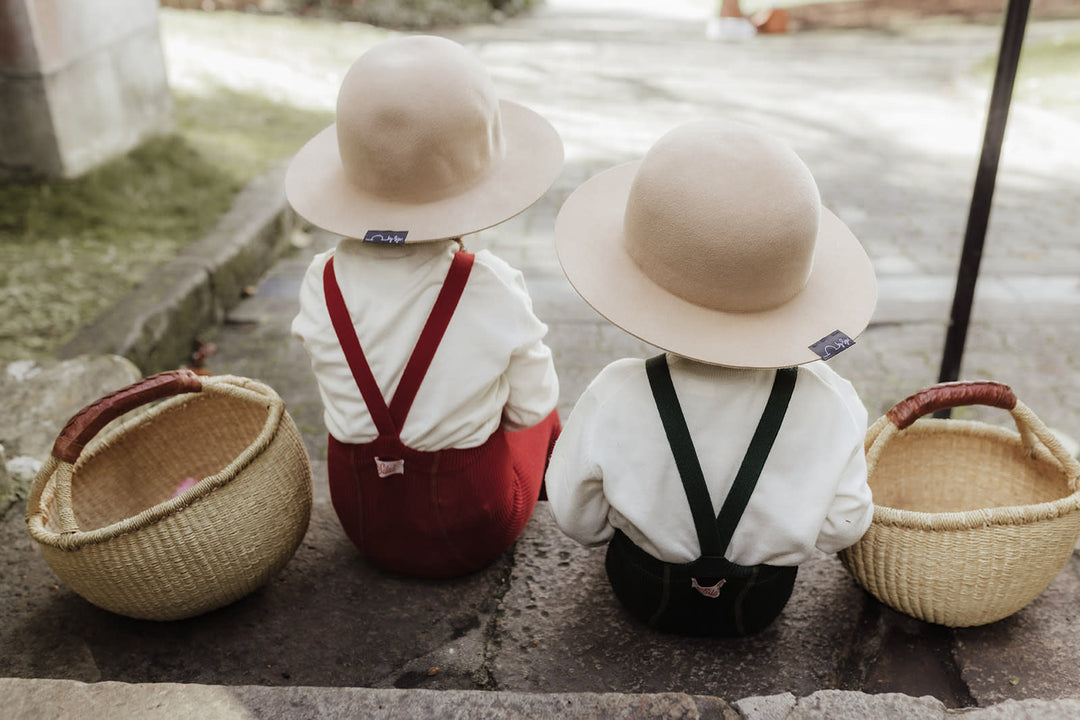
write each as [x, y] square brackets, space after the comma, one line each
[713, 470]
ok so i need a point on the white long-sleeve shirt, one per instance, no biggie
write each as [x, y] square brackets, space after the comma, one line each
[491, 366]
[612, 466]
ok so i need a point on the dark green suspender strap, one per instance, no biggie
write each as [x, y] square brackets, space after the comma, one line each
[714, 534]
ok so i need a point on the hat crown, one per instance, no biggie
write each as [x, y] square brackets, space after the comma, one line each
[418, 120]
[723, 216]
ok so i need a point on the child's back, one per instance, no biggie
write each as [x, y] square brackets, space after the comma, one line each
[492, 367]
[439, 391]
[812, 492]
[711, 479]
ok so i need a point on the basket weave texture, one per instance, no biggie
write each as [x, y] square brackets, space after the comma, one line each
[112, 528]
[971, 521]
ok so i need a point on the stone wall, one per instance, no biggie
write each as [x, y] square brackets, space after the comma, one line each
[81, 81]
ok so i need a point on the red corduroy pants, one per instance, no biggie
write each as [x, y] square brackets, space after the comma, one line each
[451, 512]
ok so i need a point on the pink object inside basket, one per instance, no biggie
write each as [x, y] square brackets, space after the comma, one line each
[185, 484]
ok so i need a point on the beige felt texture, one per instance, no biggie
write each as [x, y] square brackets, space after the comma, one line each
[693, 289]
[743, 207]
[422, 144]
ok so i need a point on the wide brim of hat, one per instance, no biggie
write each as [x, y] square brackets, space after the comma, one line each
[316, 187]
[840, 293]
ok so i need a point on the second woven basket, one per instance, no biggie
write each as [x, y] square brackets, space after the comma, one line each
[971, 521]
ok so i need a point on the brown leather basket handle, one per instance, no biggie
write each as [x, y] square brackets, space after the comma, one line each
[950, 395]
[86, 423]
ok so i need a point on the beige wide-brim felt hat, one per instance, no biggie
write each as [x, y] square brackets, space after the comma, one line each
[715, 247]
[422, 149]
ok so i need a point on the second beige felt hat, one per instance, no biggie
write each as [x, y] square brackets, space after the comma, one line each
[422, 149]
[715, 247]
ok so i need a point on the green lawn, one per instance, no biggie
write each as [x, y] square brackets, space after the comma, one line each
[1048, 74]
[69, 250]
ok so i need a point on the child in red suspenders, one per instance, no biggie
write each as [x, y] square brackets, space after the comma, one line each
[439, 391]
[713, 470]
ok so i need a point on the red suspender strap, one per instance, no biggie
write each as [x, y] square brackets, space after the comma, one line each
[361, 371]
[389, 421]
[431, 336]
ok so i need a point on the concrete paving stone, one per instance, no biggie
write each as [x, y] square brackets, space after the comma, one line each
[67, 700]
[8, 487]
[619, 343]
[902, 360]
[767, 707]
[26, 699]
[560, 627]
[556, 303]
[256, 342]
[40, 397]
[38, 400]
[328, 619]
[1000, 299]
[834, 705]
[1028, 710]
[1032, 654]
[896, 653]
[1034, 360]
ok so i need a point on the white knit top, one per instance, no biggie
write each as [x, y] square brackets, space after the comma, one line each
[491, 367]
[613, 468]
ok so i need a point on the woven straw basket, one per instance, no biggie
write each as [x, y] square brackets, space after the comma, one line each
[971, 521]
[110, 520]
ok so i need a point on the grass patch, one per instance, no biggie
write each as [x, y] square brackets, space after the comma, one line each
[245, 133]
[71, 249]
[1048, 74]
[1056, 56]
[403, 14]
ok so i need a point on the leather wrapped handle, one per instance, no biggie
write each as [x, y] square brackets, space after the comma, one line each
[950, 395]
[86, 423]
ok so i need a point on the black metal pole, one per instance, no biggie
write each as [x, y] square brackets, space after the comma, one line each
[1012, 40]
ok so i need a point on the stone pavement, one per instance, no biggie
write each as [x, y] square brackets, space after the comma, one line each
[891, 126]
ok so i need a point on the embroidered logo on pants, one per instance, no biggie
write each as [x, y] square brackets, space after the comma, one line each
[386, 468]
[712, 591]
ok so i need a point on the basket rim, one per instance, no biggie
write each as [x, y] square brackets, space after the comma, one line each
[1003, 515]
[237, 388]
[1006, 515]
